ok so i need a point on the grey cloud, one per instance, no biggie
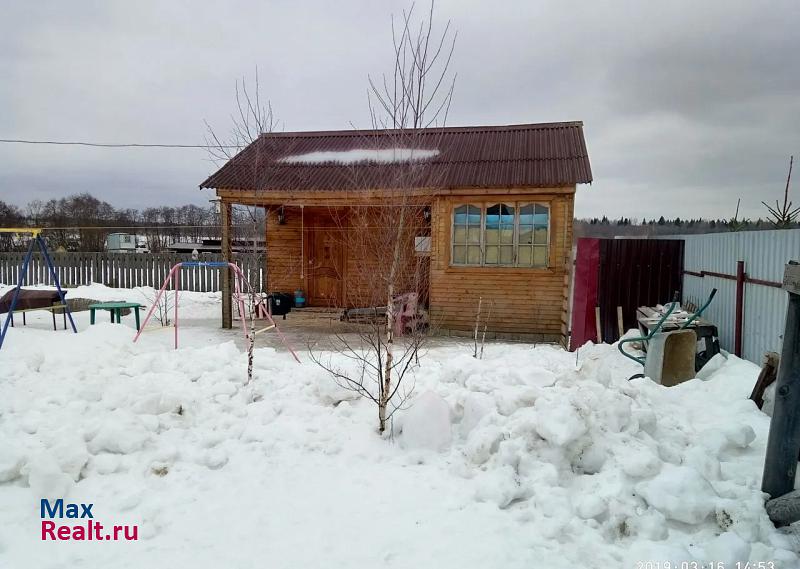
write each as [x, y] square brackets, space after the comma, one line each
[687, 106]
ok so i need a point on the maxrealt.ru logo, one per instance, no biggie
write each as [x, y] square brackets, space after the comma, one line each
[88, 530]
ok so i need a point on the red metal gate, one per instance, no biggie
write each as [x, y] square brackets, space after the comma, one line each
[621, 272]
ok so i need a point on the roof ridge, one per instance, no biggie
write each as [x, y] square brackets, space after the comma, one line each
[329, 163]
[429, 130]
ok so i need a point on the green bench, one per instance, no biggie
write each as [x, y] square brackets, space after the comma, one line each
[115, 309]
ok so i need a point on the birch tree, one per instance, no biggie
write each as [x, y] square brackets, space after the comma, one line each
[415, 95]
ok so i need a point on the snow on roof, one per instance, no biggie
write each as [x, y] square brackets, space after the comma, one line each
[357, 155]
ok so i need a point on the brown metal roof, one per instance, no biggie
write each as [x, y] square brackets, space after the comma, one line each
[534, 155]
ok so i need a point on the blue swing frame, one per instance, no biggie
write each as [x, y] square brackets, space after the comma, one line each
[23, 272]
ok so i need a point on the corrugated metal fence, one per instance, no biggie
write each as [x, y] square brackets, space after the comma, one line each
[127, 270]
[710, 261]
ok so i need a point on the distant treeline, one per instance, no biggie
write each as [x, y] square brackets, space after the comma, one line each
[81, 223]
[625, 226]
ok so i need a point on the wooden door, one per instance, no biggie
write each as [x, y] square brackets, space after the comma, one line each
[325, 269]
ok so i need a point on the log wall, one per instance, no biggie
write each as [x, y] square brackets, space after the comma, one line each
[525, 303]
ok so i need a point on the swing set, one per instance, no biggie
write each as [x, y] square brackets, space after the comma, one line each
[36, 239]
[242, 291]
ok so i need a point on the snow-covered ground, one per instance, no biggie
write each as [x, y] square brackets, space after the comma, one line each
[527, 458]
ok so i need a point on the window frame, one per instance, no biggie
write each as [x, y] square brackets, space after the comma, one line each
[466, 243]
[514, 225]
[483, 206]
[533, 245]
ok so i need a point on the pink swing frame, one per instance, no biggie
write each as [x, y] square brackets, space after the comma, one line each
[239, 279]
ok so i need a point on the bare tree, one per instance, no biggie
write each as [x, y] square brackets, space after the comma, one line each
[734, 223]
[252, 117]
[392, 277]
[477, 326]
[784, 216]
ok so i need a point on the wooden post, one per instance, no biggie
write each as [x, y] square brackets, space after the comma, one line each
[739, 322]
[227, 308]
[597, 326]
[620, 322]
[783, 444]
[769, 372]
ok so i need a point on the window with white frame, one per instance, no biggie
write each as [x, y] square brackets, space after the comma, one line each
[467, 223]
[507, 234]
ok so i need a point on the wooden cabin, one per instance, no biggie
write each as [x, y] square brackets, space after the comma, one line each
[493, 211]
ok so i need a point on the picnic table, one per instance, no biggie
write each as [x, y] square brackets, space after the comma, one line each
[115, 309]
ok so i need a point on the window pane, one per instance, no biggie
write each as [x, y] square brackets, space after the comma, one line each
[491, 256]
[540, 256]
[459, 255]
[525, 235]
[507, 216]
[492, 236]
[542, 213]
[526, 215]
[460, 235]
[473, 255]
[524, 256]
[507, 235]
[474, 215]
[460, 215]
[500, 209]
[506, 255]
[493, 216]
[540, 235]
[474, 235]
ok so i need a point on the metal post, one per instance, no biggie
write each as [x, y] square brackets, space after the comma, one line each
[23, 271]
[161, 292]
[739, 322]
[51, 266]
[227, 308]
[176, 286]
[784, 430]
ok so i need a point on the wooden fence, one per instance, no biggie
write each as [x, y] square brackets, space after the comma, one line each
[127, 270]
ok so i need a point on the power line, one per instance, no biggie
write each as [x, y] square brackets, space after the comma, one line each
[145, 228]
[111, 144]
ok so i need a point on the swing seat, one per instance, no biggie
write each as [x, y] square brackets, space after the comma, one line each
[670, 357]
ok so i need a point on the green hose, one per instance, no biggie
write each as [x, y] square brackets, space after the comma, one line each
[652, 333]
[697, 314]
[655, 330]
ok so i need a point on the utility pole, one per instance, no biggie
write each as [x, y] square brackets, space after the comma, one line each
[783, 446]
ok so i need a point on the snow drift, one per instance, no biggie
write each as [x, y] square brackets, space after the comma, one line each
[525, 458]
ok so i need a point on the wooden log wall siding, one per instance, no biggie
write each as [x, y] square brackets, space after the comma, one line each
[128, 270]
[285, 261]
[292, 250]
[528, 302]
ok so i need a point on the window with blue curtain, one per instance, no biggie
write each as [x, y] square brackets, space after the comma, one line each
[501, 235]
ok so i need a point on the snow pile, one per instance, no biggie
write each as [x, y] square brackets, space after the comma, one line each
[520, 459]
[583, 453]
[427, 424]
[359, 155]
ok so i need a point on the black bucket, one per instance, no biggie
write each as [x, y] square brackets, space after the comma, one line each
[280, 303]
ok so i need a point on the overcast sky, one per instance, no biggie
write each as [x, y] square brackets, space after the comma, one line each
[687, 106]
